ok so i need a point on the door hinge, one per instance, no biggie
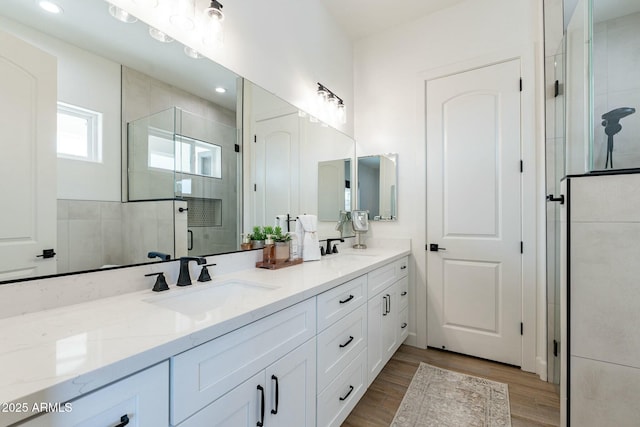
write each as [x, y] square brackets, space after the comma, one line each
[236, 147]
[520, 84]
[521, 166]
[521, 328]
[555, 348]
[521, 247]
[255, 187]
[255, 138]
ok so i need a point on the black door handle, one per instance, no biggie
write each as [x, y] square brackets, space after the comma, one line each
[346, 300]
[560, 199]
[47, 253]
[404, 325]
[124, 420]
[273, 377]
[183, 210]
[433, 247]
[348, 393]
[347, 343]
[261, 422]
[403, 293]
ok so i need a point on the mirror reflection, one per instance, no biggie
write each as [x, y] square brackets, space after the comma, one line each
[110, 200]
[377, 186]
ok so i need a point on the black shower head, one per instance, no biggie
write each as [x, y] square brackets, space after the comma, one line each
[617, 114]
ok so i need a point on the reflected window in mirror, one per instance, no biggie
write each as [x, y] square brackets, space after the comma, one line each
[79, 133]
[377, 186]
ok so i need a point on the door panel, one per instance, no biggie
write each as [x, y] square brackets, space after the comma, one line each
[474, 212]
[28, 164]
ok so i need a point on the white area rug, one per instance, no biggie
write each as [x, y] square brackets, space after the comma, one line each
[442, 398]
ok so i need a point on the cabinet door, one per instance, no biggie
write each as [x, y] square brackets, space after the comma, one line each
[377, 306]
[291, 388]
[241, 407]
[390, 330]
[141, 398]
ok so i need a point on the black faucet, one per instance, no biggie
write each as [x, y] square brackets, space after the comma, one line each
[328, 250]
[184, 278]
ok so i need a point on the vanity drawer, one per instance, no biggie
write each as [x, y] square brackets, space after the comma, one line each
[203, 374]
[403, 324]
[340, 344]
[384, 276]
[403, 293]
[141, 398]
[341, 396]
[340, 301]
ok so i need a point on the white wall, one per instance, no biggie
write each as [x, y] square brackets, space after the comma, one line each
[93, 82]
[286, 47]
[389, 98]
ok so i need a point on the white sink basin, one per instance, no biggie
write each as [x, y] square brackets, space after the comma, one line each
[204, 298]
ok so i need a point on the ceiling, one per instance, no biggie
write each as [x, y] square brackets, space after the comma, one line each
[359, 18]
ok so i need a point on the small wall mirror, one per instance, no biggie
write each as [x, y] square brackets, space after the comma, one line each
[378, 186]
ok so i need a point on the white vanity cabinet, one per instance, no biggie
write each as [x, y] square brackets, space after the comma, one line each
[223, 375]
[387, 314]
[140, 400]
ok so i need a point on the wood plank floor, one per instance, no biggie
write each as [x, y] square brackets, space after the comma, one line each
[533, 402]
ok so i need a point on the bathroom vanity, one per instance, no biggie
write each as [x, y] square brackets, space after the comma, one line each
[296, 346]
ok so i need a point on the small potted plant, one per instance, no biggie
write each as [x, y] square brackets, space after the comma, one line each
[257, 237]
[282, 241]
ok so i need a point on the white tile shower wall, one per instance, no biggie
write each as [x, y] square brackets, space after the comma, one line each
[148, 227]
[616, 65]
[42, 294]
[605, 345]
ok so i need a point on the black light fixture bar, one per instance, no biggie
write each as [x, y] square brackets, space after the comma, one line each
[322, 87]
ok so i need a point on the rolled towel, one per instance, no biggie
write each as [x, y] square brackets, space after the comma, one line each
[310, 243]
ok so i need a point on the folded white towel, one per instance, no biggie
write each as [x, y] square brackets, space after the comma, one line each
[308, 224]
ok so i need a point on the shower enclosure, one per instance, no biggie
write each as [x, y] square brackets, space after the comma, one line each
[190, 162]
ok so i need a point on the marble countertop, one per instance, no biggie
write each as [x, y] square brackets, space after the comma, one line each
[59, 354]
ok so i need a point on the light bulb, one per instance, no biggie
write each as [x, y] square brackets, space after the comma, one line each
[342, 112]
[121, 14]
[220, 89]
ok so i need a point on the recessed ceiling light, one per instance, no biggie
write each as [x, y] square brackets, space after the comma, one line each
[121, 14]
[192, 53]
[50, 6]
[220, 89]
[159, 35]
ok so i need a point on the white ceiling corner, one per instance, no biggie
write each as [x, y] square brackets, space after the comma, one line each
[359, 18]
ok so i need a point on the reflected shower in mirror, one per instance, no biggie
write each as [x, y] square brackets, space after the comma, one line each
[377, 186]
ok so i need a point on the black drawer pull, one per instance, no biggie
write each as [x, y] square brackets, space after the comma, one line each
[124, 420]
[404, 267]
[347, 300]
[347, 343]
[274, 378]
[348, 393]
[385, 312]
[403, 294]
[404, 325]
[261, 422]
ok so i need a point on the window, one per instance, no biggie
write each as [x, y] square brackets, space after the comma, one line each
[186, 155]
[79, 133]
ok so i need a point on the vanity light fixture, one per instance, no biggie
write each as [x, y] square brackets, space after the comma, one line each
[332, 103]
[213, 24]
[50, 7]
[159, 35]
[121, 14]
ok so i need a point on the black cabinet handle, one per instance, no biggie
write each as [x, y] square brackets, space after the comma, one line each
[347, 343]
[348, 393]
[403, 293]
[404, 325]
[388, 303]
[384, 313]
[273, 377]
[124, 420]
[261, 422]
[347, 300]
[404, 267]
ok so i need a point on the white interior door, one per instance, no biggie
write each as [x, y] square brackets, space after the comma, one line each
[474, 280]
[276, 186]
[28, 92]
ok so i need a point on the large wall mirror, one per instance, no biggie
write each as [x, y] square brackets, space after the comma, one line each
[167, 172]
[378, 186]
